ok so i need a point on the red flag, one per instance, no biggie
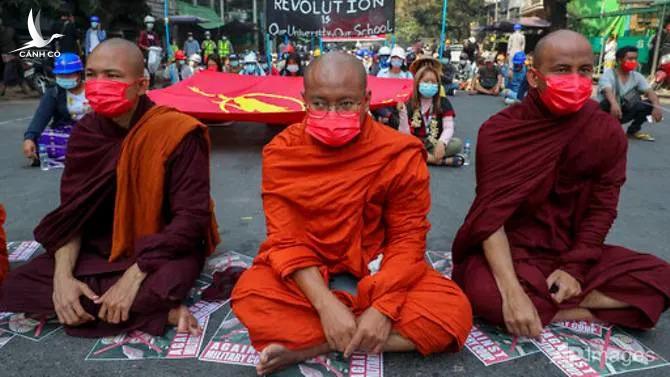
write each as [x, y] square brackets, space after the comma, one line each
[214, 96]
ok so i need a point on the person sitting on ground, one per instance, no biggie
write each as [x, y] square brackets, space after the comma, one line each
[174, 68]
[213, 63]
[465, 72]
[503, 67]
[235, 64]
[135, 222]
[191, 67]
[397, 62]
[4, 259]
[251, 66]
[549, 174]
[61, 105]
[430, 117]
[292, 66]
[517, 76]
[488, 79]
[620, 90]
[339, 191]
[448, 74]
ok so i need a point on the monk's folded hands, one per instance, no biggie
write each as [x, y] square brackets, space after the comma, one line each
[116, 302]
[66, 294]
[372, 332]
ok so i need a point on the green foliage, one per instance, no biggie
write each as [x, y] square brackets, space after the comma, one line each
[423, 19]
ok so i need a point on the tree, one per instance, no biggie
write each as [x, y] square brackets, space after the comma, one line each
[419, 18]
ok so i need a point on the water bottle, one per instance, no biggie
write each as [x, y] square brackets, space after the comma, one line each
[44, 157]
[467, 151]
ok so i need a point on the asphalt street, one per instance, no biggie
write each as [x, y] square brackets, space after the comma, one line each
[28, 194]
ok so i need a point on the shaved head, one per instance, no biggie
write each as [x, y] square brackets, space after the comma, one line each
[337, 81]
[561, 42]
[558, 53]
[118, 53]
[337, 68]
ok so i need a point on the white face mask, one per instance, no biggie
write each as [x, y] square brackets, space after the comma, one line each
[150, 26]
[293, 68]
[190, 38]
[94, 25]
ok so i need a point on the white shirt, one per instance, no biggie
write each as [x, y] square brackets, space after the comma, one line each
[93, 38]
[77, 105]
[387, 74]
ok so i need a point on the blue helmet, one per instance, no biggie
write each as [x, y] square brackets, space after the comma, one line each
[95, 19]
[519, 58]
[67, 63]
[517, 27]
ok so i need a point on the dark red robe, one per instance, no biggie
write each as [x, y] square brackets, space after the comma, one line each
[173, 258]
[554, 184]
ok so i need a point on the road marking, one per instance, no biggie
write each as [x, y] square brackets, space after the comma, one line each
[14, 120]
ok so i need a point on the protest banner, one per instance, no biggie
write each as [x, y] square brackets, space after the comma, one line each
[493, 345]
[22, 251]
[330, 18]
[33, 327]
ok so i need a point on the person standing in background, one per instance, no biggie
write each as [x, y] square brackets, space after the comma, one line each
[94, 35]
[225, 47]
[208, 46]
[610, 52]
[70, 40]
[191, 46]
[516, 43]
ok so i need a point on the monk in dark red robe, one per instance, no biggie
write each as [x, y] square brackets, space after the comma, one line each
[549, 173]
[135, 221]
[4, 261]
[340, 190]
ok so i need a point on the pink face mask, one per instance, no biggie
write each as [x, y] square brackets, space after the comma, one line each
[333, 129]
[565, 94]
[108, 97]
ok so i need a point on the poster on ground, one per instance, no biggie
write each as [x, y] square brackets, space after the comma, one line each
[330, 18]
[589, 349]
[21, 251]
[137, 345]
[493, 345]
[441, 261]
[5, 337]
[226, 259]
[231, 345]
[33, 327]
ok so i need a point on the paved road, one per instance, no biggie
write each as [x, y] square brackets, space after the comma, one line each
[29, 194]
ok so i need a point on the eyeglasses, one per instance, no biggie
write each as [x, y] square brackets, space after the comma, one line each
[346, 109]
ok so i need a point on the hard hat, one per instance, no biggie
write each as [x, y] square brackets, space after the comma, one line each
[519, 58]
[149, 20]
[489, 58]
[250, 58]
[289, 48]
[472, 40]
[94, 19]
[385, 50]
[179, 55]
[67, 63]
[517, 27]
[317, 53]
[195, 58]
[207, 33]
[398, 52]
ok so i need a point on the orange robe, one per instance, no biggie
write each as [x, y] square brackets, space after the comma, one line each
[338, 209]
[4, 262]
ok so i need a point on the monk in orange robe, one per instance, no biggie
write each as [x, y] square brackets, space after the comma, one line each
[339, 191]
[135, 221]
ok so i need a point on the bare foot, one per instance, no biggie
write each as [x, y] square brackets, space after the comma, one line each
[275, 357]
[184, 320]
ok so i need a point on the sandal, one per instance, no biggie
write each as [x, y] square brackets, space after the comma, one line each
[457, 161]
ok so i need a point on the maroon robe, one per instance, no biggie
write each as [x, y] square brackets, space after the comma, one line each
[554, 184]
[172, 258]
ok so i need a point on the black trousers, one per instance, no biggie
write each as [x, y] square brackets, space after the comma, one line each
[638, 115]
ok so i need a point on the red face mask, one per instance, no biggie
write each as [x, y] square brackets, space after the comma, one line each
[629, 65]
[565, 94]
[333, 129]
[108, 97]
